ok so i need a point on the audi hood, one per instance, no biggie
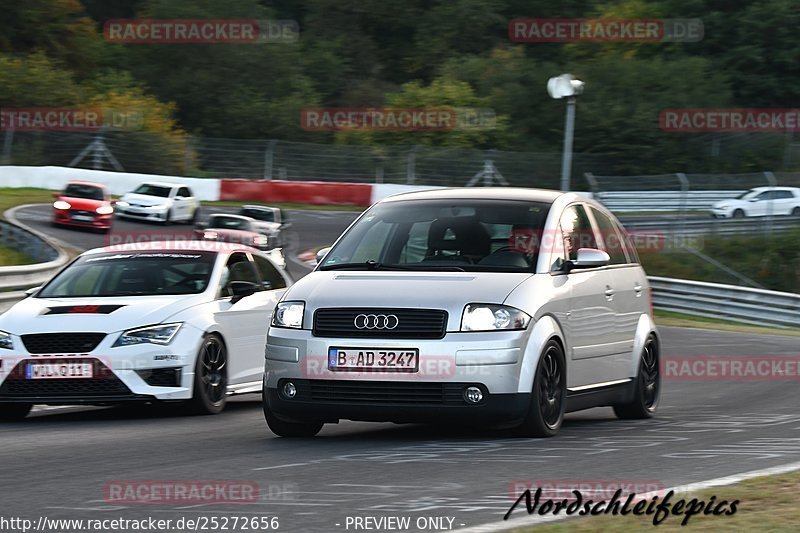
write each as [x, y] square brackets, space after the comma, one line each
[450, 291]
[107, 315]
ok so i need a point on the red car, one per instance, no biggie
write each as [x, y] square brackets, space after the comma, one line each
[83, 204]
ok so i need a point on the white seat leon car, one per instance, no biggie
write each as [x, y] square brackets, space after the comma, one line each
[157, 321]
[502, 306]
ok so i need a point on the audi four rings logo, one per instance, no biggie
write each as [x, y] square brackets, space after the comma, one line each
[363, 321]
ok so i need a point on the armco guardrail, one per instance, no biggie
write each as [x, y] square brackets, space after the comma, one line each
[15, 279]
[662, 201]
[751, 306]
[714, 226]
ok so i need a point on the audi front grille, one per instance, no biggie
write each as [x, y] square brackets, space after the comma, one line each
[380, 323]
[61, 343]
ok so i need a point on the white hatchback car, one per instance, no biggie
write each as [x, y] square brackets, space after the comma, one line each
[760, 202]
[159, 202]
[504, 306]
[157, 321]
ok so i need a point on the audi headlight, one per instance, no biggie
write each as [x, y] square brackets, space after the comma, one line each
[104, 210]
[158, 334]
[289, 315]
[61, 204]
[486, 317]
[5, 341]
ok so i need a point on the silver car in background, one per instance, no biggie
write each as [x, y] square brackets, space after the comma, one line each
[501, 306]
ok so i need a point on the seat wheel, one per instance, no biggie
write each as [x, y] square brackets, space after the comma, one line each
[210, 391]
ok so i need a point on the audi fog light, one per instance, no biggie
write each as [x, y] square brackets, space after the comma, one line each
[485, 317]
[288, 315]
[289, 390]
[473, 395]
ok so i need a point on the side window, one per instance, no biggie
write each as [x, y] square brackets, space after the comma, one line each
[269, 274]
[613, 244]
[783, 195]
[238, 268]
[766, 195]
[184, 191]
[576, 231]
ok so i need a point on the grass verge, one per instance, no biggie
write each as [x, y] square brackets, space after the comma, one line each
[766, 503]
[11, 257]
[25, 195]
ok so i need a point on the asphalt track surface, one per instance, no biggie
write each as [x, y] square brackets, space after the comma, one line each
[57, 462]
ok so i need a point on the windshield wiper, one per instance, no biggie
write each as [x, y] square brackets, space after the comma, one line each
[374, 265]
[367, 265]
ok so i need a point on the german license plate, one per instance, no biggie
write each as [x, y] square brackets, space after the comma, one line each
[59, 370]
[373, 360]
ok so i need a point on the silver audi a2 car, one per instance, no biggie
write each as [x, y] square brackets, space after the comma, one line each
[502, 306]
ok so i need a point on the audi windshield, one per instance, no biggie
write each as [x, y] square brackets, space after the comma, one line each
[470, 235]
[132, 274]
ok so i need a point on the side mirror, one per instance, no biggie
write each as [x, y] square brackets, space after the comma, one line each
[201, 225]
[242, 289]
[32, 291]
[321, 254]
[588, 258]
[56, 194]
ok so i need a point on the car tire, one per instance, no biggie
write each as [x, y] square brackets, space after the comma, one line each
[647, 389]
[209, 393]
[193, 219]
[796, 212]
[289, 429]
[9, 412]
[168, 219]
[738, 213]
[548, 396]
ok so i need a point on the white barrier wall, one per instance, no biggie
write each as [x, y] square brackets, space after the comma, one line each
[382, 190]
[54, 178]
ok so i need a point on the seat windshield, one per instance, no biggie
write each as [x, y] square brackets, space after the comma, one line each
[471, 235]
[132, 274]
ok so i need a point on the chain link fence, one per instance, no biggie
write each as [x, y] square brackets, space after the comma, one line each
[150, 153]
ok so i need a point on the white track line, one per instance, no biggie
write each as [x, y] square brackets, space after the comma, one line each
[533, 520]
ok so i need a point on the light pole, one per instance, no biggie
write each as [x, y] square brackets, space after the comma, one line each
[566, 86]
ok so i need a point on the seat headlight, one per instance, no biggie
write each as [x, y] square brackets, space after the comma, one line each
[289, 315]
[159, 334]
[104, 210]
[487, 317]
[61, 204]
[5, 341]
